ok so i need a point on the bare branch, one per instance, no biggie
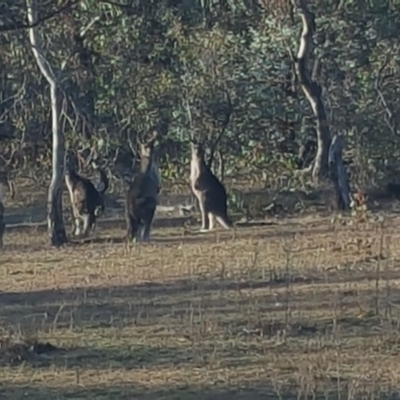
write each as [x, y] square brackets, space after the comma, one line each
[132, 147]
[32, 24]
[224, 125]
[44, 67]
[19, 95]
[7, 162]
[87, 28]
[113, 3]
[305, 171]
[390, 118]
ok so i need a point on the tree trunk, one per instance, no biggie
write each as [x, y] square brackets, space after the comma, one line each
[312, 90]
[339, 174]
[55, 220]
[328, 160]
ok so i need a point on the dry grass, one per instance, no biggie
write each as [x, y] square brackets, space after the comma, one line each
[290, 310]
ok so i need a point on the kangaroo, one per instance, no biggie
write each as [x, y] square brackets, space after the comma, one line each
[142, 195]
[4, 181]
[87, 202]
[208, 190]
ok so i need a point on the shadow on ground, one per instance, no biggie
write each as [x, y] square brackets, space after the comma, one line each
[130, 392]
[118, 222]
[177, 304]
[189, 233]
[178, 315]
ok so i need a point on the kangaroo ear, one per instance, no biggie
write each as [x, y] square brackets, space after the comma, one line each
[153, 136]
[194, 141]
[149, 139]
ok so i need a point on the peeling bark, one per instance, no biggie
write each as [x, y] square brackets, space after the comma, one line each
[55, 220]
[328, 160]
[312, 90]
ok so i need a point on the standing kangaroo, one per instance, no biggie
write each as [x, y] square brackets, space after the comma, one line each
[87, 202]
[208, 190]
[4, 181]
[142, 196]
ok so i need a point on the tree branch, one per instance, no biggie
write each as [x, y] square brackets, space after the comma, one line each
[228, 114]
[39, 21]
[311, 89]
[44, 67]
[113, 3]
[55, 220]
[390, 118]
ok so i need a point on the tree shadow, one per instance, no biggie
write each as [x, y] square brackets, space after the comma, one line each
[255, 224]
[115, 223]
[42, 355]
[153, 303]
[167, 307]
[188, 234]
[261, 391]
[188, 237]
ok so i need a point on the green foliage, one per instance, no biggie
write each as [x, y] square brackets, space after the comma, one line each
[169, 65]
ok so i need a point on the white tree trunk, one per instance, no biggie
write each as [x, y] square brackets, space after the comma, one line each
[55, 219]
[312, 89]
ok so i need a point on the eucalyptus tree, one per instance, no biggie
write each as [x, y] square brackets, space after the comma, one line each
[56, 228]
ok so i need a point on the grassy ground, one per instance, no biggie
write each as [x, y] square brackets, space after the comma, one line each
[298, 309]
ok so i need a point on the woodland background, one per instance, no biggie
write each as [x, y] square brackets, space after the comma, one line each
[219, 68]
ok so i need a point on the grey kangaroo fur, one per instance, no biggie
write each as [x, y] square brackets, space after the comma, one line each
[209, 191]
[4, 181]
[141, 198]
[87, 202]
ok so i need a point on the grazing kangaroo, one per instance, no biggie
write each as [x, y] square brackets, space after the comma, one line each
[4, 181]
[208, 190]
[87, 202]
[142, 195]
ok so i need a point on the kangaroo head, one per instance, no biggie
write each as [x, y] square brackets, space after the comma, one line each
[70, 173]
[198, 152]
[104, 182]
[146, 146]
[147, 151]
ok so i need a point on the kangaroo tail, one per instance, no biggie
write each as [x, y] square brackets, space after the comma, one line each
[225, 221]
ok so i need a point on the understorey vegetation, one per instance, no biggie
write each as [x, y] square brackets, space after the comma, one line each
[223, 69]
